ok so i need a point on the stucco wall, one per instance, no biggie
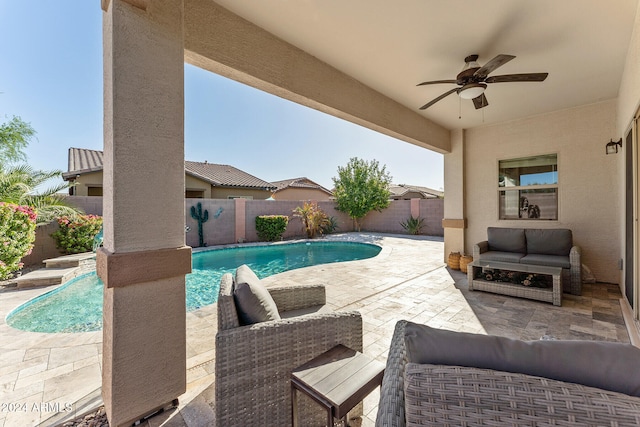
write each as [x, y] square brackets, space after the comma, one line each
[86, 180]
[225, 193]
[192, 183]
[301, 194]
[590, 193]
[629, 93]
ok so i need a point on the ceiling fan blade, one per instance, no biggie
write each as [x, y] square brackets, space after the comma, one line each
[444, 95]
[435, 82]
[480, 101]
[490, 66]
[529, 77]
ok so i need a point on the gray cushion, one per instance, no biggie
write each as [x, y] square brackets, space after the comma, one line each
[605, 365]
[548, 260]
[501, 256]
[506, 239]
[549, 241]
[253, 301]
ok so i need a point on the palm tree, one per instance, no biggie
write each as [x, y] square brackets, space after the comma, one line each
[18, 185]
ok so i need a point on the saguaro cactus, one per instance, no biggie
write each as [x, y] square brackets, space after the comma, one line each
[198, 216]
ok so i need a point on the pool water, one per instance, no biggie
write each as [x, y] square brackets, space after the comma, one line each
[77, 305]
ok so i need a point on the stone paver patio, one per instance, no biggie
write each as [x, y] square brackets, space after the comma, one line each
[41, 373]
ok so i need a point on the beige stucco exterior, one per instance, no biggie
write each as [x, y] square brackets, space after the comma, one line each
[589, 196]
[86, 181]
[89, 180]
[301, 194]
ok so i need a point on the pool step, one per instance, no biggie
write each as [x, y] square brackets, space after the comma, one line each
[47, 277]
[67, 261]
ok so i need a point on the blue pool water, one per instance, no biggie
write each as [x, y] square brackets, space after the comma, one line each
[77, 305]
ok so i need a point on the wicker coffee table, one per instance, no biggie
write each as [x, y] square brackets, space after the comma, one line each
[552, 295]
[338, 380]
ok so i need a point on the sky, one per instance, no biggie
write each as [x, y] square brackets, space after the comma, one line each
[51, 77]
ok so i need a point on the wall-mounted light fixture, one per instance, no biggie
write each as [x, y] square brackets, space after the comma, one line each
[612, 147]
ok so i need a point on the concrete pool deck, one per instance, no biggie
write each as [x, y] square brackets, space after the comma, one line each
[41, 373]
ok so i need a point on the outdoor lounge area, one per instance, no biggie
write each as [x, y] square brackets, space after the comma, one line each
[407, 281]
[538, 126]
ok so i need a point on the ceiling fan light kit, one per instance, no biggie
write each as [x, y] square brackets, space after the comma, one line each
[473, 80]
[471, 90]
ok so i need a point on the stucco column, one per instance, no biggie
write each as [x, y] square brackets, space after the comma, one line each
[454, 221]
[144, 259]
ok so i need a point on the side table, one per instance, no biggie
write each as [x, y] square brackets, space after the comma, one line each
[338, 380]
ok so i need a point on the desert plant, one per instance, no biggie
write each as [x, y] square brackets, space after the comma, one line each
[201, 218]
[271, 227]
[313, 218]
[413, 225]
[331, 226]
[76, 233]
[17, 234]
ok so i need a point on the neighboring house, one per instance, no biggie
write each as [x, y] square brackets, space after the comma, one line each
[300, 189]
[203, 180]
[408, 192]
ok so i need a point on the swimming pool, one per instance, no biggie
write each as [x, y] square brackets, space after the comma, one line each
[77, 305]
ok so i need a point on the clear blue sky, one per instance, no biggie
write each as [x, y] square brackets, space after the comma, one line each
[51, 76]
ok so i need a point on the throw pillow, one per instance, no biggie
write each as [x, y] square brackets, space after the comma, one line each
[253, 301]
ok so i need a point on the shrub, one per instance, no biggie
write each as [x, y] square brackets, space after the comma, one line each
[76, 233]
[331, 225]
[413, 225]
[313, 218]
[271, 227]
[17, 234]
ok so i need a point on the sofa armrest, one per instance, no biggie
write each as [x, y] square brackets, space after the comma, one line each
[391, 404]
[253, 364]
[479, 248]
[296, 297]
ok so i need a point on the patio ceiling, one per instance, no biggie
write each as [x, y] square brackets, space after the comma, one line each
[392, 46]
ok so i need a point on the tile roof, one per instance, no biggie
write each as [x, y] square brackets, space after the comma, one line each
[302, 182]
[225, 176]
[82, 161]
[402, 189]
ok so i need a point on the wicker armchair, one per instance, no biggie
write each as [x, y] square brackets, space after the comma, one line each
[448, 395]
[254, 362]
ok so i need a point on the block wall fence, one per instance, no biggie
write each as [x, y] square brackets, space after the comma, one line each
[233, 221]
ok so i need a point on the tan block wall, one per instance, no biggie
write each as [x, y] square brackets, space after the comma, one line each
[222, 230]
[590, 193]
[44, 246]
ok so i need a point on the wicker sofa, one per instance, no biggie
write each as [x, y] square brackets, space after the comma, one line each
[254, 361]
[441, 378]
[550, 247]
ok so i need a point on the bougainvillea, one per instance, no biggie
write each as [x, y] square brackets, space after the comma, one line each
[76, 233]
[17, 234]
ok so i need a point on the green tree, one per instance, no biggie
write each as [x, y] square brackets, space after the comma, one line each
[14, 138]
[18, 185]
[360, 188]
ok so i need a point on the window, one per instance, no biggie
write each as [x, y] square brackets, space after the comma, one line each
[94, 191]
[194, 194]
[528, 187]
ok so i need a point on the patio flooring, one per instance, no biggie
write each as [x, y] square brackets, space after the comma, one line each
[40, 373]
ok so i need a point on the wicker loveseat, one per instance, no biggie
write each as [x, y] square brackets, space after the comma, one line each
[254, 362]
[441, 378]
[548, 246]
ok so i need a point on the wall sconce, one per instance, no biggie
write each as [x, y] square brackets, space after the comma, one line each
[612, 147]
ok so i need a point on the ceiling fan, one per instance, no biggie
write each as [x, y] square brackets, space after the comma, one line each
[473, 80]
